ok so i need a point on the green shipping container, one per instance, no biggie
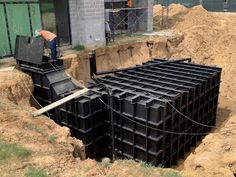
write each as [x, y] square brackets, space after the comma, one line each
[190, 3]
[4, 42]
[213, 5]
[231, 6]
[35, 17]
[17, 17]
[18, 21]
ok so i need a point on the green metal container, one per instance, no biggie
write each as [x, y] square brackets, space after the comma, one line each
[231, 6]
[213, 5]
[17, 17]
[190, 3]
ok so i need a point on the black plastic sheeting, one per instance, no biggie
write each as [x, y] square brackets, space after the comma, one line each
[142, 115]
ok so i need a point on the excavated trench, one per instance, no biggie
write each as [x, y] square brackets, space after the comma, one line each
[139, 113]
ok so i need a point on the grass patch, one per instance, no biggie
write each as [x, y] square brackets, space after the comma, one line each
[37, 129]
[79, 47]
[171, 173]
[66, 144]
[146, 169]
[12, 150]
[33, 172]
[52, 138]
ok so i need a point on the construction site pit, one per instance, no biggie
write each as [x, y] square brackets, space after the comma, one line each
[207, 38]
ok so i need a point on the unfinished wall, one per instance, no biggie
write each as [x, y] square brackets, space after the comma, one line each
[87, 22]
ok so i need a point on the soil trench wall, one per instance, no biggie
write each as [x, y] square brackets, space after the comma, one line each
[116, 57]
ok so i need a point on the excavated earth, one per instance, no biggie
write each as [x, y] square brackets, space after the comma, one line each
[208, 38]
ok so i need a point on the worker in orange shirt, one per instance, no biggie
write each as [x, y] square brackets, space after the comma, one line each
[51, 38]
[129, 3]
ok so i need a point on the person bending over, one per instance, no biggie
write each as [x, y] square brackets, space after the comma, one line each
[51, 38]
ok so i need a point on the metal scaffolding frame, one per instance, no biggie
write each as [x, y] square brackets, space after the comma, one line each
[125, 20]
[165, 13]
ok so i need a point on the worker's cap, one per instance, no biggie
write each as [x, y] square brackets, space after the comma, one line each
[37, 33]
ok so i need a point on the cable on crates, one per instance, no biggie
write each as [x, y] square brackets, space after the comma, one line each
[144, 125]
[204, 125]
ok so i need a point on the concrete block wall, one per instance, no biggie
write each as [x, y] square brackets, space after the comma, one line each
[87, 22]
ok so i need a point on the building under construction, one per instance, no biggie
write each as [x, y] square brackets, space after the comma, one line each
[76, 22]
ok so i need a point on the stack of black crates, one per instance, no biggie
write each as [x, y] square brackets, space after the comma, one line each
[160, 112]
[153, 113]
[84, 115]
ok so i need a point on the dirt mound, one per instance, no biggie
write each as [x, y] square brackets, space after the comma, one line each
[195, 17]
[175, 11]
[210, 38]
[15, 85]
[181, 18]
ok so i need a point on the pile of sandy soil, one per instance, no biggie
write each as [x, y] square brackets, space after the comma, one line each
[15, 86]
[209, 38]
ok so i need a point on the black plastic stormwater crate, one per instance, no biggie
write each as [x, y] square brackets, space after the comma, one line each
[160, 112]
[154, 113]
[84, 115]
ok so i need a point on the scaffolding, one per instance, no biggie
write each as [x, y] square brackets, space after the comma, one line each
[125, 20]
[165, 13]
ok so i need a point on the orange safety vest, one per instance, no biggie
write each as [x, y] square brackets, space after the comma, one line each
[129, 3]
[47, 35]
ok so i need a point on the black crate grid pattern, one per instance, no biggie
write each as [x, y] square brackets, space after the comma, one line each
[84, 116]
[148, 97]
[192, 89]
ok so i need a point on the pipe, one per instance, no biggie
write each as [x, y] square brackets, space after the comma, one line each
[93, 64]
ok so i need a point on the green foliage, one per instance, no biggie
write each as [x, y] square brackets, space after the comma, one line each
[33, 172]
[12, 150]
[52, 138]
[169, 173]
[37, 129]
[79, 47]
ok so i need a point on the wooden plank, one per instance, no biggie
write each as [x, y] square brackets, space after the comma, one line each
[60, 102]
[7, 69]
